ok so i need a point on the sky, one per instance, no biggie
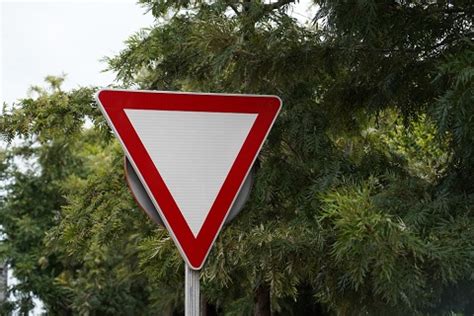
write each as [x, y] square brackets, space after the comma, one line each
[41, 38]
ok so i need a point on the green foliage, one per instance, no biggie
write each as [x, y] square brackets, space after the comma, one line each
[40, 158]
[363, 196]
[100, 237]
[53, 154]
[453, 110]
[418, 144]
[373, 256]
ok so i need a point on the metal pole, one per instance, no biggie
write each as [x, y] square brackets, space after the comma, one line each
[191, 291]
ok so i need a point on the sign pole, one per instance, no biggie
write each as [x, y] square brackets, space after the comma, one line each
[191, 291]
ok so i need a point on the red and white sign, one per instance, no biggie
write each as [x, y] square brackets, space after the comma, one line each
[192, 152]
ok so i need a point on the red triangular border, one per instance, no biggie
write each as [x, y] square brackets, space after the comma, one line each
[112, 104]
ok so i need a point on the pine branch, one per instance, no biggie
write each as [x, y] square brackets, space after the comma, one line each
[276, 5]
[446, 41]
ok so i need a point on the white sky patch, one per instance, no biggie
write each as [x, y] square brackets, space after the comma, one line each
[1, 57]
[73, 1]
[41, 38]
[304, 11]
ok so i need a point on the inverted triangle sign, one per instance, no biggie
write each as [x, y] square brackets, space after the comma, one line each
[192, 153]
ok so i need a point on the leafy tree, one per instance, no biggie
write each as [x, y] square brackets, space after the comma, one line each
[52, 154]
[36, 163]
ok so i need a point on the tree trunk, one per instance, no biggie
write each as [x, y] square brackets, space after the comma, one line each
[203, 304]
[168, 311]
[262, 301]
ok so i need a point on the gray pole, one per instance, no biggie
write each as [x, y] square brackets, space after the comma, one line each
[191, 291]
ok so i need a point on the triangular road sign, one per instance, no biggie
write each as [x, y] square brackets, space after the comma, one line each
[192, 152]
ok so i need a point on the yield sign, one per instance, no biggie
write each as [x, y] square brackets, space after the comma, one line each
[192, 152]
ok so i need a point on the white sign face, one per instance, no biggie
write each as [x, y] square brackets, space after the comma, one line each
[195, 161]
[192, 153]
[143, 200]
